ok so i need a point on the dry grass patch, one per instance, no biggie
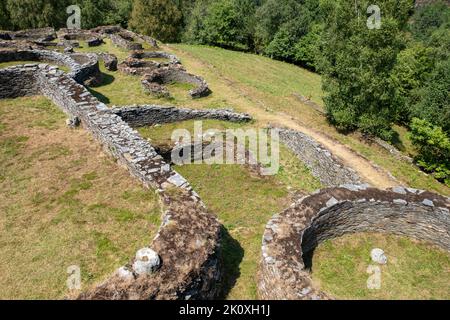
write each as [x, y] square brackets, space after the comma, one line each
[63, 202]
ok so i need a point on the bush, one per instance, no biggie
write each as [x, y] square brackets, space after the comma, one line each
[433, 147]
[434, 105]
[429, 18]
[161, 19]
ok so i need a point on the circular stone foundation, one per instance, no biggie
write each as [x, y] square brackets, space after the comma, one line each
[292, 235]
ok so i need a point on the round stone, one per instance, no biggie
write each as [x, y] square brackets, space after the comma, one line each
[378, 256]
[124, 273]
[147, 261]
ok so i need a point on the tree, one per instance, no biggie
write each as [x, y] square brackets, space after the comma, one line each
[435, 103]
[161, 19]
[26, 14]
[225, 26]
[195, 23]
[412, 70]
[224, 23]
[357, 65]
[429, 18]
[307, 51]
[433, 147]
[4, 17]
[270, 17]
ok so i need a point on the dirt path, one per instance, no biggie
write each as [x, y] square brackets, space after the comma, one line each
[368, 171]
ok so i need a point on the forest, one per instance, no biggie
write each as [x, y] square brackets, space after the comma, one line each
[372, 79]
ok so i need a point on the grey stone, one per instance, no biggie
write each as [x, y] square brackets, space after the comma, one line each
[428, 203]
[399, 190]
[147, 262]
[332, 202]
[400, 201]
[378, 256]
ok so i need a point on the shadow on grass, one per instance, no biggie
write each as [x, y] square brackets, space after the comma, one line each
[232, 255]
[99, 96]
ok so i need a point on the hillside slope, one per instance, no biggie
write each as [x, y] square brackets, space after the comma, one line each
[269, 91]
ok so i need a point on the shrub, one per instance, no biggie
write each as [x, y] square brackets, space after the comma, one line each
[433, 147]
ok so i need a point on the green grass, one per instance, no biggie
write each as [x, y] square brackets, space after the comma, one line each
[244, 204]
[414, 270]
[247, 81]
[243, 201]
[63, 203]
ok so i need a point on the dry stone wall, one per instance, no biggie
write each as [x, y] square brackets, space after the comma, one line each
[148, 115]
[154, 81]
[83, 66]
[323, 165]
[292, 235]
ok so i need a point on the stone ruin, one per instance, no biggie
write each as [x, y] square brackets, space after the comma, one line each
[154, 82]
[140, 63]
[291, 236]
[84, 68]
[186, 249]
[158, 74]
[188, 241]
[125, 39]
[92, 39]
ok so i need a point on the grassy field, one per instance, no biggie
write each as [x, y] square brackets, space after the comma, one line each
[414, 270]
[63, 202]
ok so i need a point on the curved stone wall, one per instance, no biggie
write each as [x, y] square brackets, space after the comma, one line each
[293, 234]
[41, 34]
[188, 241]
[155, 54]
[323, 165]
[83, 66]
[92, 39]
[154, 81]
[149, 115]
[136, 67]
[125, 34]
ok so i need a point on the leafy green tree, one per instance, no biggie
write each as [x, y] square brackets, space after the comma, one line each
[435, 103]
[4, 17]
[283, 45]
[429, 18]
[357, 65]
[433, 147]
[195, 23]
[270, 17]
[411, 72]
[161, 19]
[307, 51]
[36, 13]
[224, 25]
